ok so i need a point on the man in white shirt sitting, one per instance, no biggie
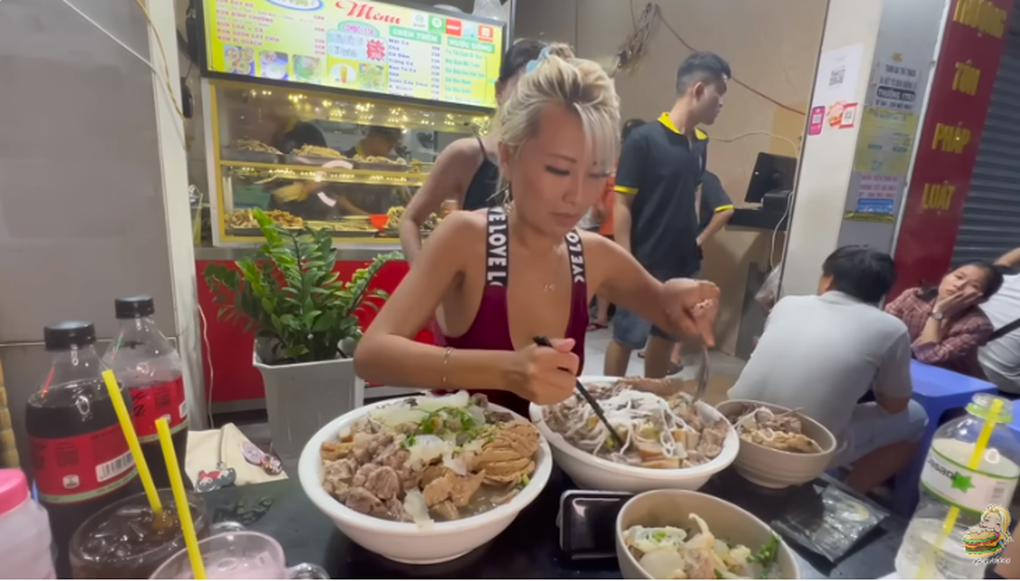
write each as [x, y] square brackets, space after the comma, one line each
[1000, 357]
[821, 354]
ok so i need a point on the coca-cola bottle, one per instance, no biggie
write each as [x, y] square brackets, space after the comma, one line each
[149, 369]
[80, 458]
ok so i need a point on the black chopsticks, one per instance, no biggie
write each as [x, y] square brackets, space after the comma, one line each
[543, 341]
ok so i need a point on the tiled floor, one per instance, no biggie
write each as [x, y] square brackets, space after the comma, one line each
[595, 356]
[724, 367]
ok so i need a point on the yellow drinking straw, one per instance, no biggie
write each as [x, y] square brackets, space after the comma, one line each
[132, 440]
[180, 498]
[975, 462]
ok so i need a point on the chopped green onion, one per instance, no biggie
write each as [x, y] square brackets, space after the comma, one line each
[766, 556]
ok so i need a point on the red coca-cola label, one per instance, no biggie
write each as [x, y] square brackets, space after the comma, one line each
[80, 468]
[151, 403]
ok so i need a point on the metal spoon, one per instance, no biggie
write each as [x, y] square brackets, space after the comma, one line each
[544, 342]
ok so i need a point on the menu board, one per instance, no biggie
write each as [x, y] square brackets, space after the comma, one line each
[361, 46]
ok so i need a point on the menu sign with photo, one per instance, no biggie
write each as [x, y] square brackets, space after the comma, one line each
[361, 46]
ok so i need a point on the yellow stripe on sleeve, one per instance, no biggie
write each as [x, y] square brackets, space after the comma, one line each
[625, 190]
[724, 208]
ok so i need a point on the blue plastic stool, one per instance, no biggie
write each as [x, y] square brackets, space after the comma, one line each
[938, 391]
[1015, 424]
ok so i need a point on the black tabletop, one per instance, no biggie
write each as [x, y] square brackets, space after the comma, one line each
[529, 548]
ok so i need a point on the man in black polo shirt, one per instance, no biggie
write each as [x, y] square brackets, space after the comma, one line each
[655, 217]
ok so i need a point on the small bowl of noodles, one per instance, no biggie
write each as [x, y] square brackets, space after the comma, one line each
[779, 447]
[681, 534]
[669, 441]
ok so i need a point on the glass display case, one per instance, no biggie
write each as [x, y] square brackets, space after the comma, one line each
[331, 114]
[345, 163]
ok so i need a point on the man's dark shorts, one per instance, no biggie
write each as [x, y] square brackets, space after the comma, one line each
[632, 331]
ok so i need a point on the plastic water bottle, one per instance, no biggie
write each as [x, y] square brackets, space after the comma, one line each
[982, 497]
[25, 529]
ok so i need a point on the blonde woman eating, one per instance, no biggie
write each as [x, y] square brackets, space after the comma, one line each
[506, 275]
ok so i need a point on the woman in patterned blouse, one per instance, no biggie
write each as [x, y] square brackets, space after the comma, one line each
[945, 323]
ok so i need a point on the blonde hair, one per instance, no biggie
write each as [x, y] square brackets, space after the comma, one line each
[1004, 520]
[582, 86]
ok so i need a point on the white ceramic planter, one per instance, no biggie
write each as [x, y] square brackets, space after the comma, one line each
[303, 397]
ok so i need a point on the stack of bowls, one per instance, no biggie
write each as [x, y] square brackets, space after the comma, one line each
[772, 468]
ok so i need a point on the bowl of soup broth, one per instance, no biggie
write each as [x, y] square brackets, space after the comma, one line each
[425, 479]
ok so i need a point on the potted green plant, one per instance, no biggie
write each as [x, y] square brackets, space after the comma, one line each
[306, 326]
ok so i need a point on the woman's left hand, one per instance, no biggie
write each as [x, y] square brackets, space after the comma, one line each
[692, 306]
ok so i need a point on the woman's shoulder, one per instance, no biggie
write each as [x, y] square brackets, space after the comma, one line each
[464, 149]
[464, 223]
[975, 320]
[592, 240]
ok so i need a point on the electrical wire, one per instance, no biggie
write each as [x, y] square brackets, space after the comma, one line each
[208, 357]
[162, 54]
[168, 91]
[164, 76]
[789, 203]
[792, 143]
[754, 91]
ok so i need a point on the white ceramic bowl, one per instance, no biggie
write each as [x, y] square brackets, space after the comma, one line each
[592, 472]
[776, 468]
[405, 542]
[725, 520]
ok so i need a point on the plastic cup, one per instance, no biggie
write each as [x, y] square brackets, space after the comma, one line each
[143, 556]
[239, 555]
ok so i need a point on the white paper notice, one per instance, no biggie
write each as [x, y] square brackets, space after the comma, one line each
[838, 71]
[895, 86]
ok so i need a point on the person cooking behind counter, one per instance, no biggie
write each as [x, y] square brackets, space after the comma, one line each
[365, 199]
[295, 197]
[343, 199]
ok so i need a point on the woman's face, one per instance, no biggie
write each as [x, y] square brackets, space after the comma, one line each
[967, 276]
[993, 522]
[553, 177]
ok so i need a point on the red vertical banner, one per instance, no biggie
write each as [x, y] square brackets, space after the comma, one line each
[972, 45]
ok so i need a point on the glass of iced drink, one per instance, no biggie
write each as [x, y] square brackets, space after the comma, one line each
[239, 555]
[126, 541]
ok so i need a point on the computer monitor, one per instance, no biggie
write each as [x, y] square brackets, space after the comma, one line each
[771, 173]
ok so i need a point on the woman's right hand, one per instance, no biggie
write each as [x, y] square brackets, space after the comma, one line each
[957, 302]
[544, 375]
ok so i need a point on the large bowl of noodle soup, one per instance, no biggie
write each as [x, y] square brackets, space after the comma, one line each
[591, 471]
[444, 538]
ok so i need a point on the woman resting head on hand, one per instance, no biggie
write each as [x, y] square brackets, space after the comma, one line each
[506, 275]
[945, 323]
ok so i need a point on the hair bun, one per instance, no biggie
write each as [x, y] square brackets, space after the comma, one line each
[561, 50]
